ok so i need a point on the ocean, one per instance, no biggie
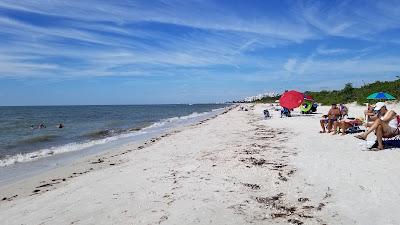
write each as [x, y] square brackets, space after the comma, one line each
[22, 140]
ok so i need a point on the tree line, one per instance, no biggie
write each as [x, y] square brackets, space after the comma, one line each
[349, 93]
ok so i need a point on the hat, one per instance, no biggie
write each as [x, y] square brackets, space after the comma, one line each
[379, 105]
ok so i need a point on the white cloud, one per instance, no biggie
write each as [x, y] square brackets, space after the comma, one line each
[331, 51]
[112, 43]
[290, 65]
[355, 19]
[197, 14]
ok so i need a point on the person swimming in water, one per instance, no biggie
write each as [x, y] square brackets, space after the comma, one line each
[60, 126]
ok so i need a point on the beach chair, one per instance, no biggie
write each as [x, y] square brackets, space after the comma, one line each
[326, 121]
[394, 141]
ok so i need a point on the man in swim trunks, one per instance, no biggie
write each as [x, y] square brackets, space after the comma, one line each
[386, 126]
[333, 115]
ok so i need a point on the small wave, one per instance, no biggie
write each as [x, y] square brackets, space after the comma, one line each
[134, 129]
[31, 156]
[179, 118]
[38, 139]
[100, 134]
[97, 138]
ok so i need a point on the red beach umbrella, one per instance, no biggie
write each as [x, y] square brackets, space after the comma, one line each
[291, 99]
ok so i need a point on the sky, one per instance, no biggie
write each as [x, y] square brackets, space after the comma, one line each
[57, 52]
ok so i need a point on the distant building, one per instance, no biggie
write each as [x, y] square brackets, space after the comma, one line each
[260, 96]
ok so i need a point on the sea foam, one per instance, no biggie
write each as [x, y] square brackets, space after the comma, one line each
[77, 146]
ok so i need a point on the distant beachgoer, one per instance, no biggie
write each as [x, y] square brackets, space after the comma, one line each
[60, 126]
[285, 112]
[330, 118]
[386, 126]
[41, 126]
[266, 113]
[344, 111]
[32, 126]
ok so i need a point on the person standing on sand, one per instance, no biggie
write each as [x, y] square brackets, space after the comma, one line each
[386, 126]
[333, 115]
[344, 111]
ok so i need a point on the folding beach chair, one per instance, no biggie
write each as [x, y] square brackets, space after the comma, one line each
[394, 141]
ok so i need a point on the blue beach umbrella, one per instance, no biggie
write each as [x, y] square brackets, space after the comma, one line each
[381, 95]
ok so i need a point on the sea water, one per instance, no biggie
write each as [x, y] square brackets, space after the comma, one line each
[27, 147]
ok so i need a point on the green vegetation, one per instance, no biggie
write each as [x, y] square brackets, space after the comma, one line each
[351, 94]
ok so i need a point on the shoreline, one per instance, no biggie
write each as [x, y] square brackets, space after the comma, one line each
[56, 177]
[159, 126]
[45, 162]
[236, 168]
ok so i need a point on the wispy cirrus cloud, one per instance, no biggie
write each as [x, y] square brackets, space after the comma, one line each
[332, 51]
[109, 48]
[209, 15]
[175, 38]
[354, 19]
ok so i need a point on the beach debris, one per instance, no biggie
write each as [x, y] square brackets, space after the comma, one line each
[9, 198]
[163, 218]
[269, 200]
[281, 177]
[252, 186]
[47, 185]
[99, 160]
[295, 221]
[320, 206]
[303, 199]
[254, 161]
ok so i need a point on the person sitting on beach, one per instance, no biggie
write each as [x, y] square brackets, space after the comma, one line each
[386, 126]
[285, 112]
[370, 115]
[333, 115]
[314, 107]
[343, 125]
[266, 113]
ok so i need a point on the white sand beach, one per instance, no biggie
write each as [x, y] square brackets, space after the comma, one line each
[237, 168]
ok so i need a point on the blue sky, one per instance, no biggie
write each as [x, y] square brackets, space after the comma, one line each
[189, 51]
